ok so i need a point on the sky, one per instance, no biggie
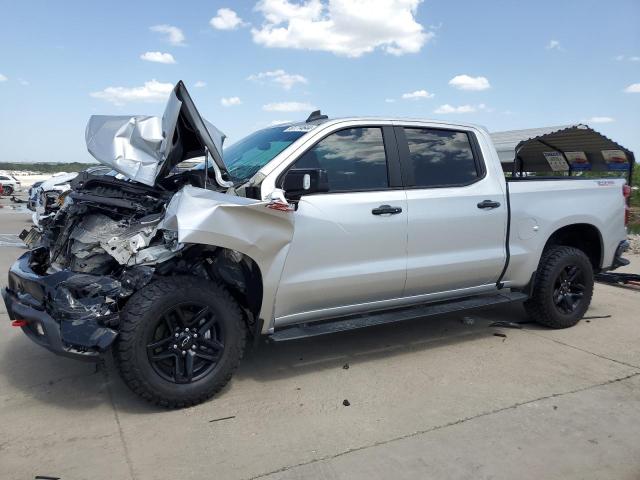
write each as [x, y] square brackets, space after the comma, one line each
[247, 64]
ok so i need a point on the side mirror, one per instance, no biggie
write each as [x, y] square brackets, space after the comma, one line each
[302, 181]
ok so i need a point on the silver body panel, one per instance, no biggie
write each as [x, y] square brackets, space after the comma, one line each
[331, 257]
[140, 146]
[453, 248]
[540, 208]
[341, 254]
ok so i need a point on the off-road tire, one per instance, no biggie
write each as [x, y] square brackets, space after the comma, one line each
[130, 349]
[541, 306]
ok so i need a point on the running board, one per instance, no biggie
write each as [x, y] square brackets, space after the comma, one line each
[343, 324]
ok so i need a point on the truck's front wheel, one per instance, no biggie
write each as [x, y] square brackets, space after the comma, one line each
[563, 288]
[180, 340]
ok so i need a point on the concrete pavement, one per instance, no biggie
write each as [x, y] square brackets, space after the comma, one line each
[437, 398]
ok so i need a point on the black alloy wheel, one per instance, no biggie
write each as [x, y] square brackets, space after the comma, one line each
[179, 340]
[569, 289]
[186, 344]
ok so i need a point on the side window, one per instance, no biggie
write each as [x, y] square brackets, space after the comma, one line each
[440, 157]
[354, 159]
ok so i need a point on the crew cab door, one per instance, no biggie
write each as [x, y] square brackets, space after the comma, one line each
[457, 211]
[349, 244]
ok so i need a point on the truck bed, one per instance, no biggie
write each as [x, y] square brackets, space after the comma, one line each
[538, 207]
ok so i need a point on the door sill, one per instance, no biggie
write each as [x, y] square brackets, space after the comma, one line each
[354, 322]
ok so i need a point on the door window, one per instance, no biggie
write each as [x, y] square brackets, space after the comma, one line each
[441, 158]
[353, 158]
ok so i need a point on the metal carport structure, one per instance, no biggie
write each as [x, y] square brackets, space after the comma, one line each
[561, 149]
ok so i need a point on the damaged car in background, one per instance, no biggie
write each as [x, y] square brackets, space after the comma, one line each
[297, 230]
[46, 197]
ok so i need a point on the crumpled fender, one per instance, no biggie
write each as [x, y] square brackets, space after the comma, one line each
[249, 226]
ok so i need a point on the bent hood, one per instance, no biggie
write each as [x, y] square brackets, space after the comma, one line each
[146, 148]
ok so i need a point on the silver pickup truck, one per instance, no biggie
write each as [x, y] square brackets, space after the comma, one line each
[298, 230]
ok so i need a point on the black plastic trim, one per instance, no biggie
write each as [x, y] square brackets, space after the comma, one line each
[52, 338]
[394, 169]
[499, 283]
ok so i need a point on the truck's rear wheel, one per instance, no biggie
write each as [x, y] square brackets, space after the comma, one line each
[180, 340]
[563, 288]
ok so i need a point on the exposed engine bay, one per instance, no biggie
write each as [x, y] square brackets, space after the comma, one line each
[105, 243]
[114, 234]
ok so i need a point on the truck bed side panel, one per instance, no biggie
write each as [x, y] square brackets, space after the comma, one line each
[539, 208]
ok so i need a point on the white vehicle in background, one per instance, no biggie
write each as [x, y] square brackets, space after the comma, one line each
[9, 183]
[47, 197]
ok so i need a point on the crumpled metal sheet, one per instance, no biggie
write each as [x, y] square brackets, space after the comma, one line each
[137, 146]
[249, 226]
[127, 243]
[131, 145]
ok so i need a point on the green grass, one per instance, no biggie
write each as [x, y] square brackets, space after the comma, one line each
[46, 167]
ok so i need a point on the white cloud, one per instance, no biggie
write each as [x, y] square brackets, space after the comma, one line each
[417, 95]
[344, 27]
[226, 19]
[288, 107]
[173, 34]
[158, 57]
[601, 120]
[200, 84]
[3, 78]
[282, 78]
[278, 122]
[390, 100]
[446, 108]
[629, 58]
[152, 91]
[230, 101]
[633, 88]
[24, 82]
[554, 45]
[466, 82]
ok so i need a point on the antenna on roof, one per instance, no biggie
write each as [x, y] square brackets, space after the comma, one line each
[316, 115]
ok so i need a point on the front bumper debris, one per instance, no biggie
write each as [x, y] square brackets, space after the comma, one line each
[68, 313]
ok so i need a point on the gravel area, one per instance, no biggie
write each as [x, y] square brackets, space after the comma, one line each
[634, 241]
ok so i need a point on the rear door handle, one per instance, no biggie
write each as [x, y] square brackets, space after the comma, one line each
[488, 204]
[386, 209]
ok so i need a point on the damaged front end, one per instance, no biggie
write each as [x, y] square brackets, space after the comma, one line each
[100, 247]
[106, 242]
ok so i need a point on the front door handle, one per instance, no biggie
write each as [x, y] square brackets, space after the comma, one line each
[386, 209]
[488, 204]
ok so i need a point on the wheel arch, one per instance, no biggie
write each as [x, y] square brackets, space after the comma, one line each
[583, 236]
[242, 276]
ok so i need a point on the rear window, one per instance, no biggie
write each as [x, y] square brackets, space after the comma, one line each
[441, 158]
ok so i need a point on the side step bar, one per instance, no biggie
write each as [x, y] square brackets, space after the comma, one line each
[343, 324]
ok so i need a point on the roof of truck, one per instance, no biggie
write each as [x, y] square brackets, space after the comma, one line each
[378, 119]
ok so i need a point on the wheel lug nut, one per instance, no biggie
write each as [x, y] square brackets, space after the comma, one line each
[193, 347]
[175, 346]
[184, 352]
[186, 329]
[177, 335]
[195, 335]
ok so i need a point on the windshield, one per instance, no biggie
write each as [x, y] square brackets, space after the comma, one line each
[245, 157]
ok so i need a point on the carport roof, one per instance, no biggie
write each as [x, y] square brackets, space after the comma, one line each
[531, 144]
